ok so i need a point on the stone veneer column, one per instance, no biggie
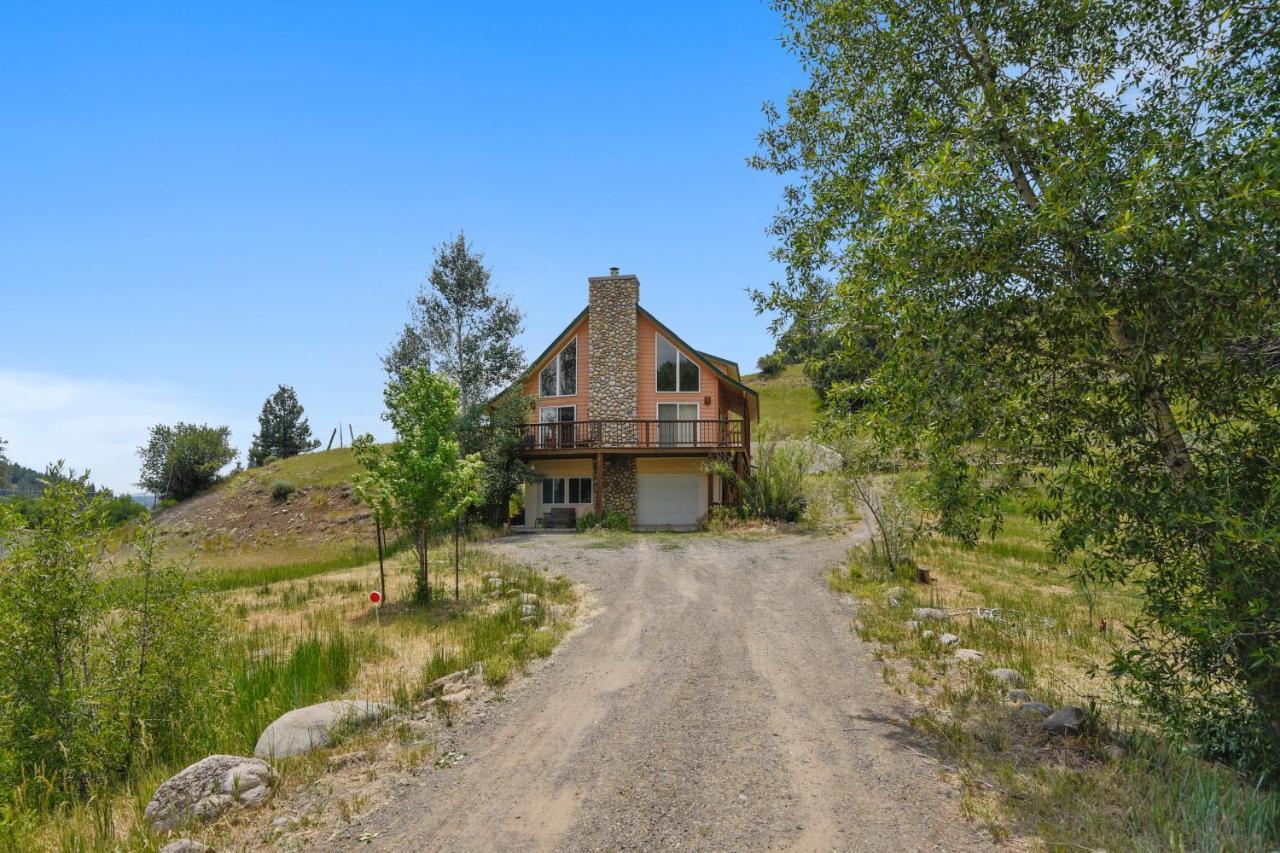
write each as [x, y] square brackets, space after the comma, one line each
[612, 381]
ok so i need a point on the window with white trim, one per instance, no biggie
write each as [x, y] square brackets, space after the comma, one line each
[676, 371]
[566, 490]
[560, 377]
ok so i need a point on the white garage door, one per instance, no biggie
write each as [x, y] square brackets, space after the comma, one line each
[668, 499]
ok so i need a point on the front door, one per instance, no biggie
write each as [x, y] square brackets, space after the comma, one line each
[677, 423]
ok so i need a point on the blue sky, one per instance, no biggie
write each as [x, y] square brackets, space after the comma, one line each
[200, 203]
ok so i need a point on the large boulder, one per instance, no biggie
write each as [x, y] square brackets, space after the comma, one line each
[304, 729]
[1010, 677]
[206, 789]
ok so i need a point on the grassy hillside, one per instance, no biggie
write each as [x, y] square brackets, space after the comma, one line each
[788, 402]
[239, 527]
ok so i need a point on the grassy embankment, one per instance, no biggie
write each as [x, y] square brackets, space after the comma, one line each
[304, 632]
[1120, 787]
[788, 403]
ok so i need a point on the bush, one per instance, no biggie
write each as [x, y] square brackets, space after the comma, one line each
[615, 520]
[99, 674]
[721, 517]
[771, 365]
[775, 488]
[586, 521]
[281, 489]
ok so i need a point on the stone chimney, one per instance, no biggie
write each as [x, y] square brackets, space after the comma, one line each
[612, 299]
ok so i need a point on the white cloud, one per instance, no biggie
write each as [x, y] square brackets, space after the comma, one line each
[93, 424]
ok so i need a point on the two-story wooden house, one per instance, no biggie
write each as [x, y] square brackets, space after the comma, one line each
[626, 415]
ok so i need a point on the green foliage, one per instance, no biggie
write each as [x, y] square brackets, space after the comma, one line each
[775, 488]
[459, 327]
[495, 433]
[788, 403]
[586, 521]
[1056, 224]
[281, 489]
[614, 520]
[283, 430]
[422, 478]
[93, 678]
[770, 366]
[182, 460]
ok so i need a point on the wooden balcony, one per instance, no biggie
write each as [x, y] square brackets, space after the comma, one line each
[569, 438]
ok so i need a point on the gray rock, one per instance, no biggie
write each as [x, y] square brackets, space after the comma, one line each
[968, 654]
[208, 788]
[186, 845]
[923, 613]
[1065, 721]
[894, 595]
[1004, 675]
[445, 682]
[456, 698]
[304, 729]
[926, 635]
[1019, 695]
[528, 609]
[1038, 708]
[948, 639]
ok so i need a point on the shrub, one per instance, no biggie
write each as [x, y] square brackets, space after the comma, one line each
[775, 488]
[281, 489]
[586, 521]
[721, 517]
[97, 673]
[614, 520]
[771, 365]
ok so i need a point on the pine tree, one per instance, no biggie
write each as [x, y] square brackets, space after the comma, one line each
[283, 431]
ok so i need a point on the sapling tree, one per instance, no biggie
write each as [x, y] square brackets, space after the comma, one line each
[1056, 223]
[423, 471]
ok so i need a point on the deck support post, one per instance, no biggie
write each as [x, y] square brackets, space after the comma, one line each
[598, 486]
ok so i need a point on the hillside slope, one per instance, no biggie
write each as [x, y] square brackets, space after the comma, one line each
[239, 524]
[788, 402]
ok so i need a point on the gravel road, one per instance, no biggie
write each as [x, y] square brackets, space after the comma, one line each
[717, 699]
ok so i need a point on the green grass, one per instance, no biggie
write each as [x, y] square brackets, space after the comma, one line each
[788, 402]
[1121, 787]
[319, 468]
[266, 671]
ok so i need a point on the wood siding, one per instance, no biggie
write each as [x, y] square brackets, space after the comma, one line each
[583, 394]
[646, 368]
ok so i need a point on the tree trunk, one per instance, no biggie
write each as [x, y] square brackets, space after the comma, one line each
[382, 572]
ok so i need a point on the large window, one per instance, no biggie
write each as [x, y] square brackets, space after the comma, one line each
[560, 377]
[558, 426]
[676, 371]
[566, 490]
[676, 424]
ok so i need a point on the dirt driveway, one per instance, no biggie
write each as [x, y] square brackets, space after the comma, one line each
[716, 700]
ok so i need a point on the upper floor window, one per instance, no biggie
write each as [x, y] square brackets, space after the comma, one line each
[676, 371]
[560, 377]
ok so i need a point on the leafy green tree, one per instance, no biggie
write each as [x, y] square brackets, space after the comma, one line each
[1058, 221]
[459, 327]
[283, 430]
[4, 463]
[497, 432]
[423, 473]
[184, 459]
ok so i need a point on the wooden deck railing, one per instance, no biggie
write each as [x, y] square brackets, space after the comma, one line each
[640, 434]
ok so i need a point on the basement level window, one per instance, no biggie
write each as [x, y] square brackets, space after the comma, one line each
[566, 490]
